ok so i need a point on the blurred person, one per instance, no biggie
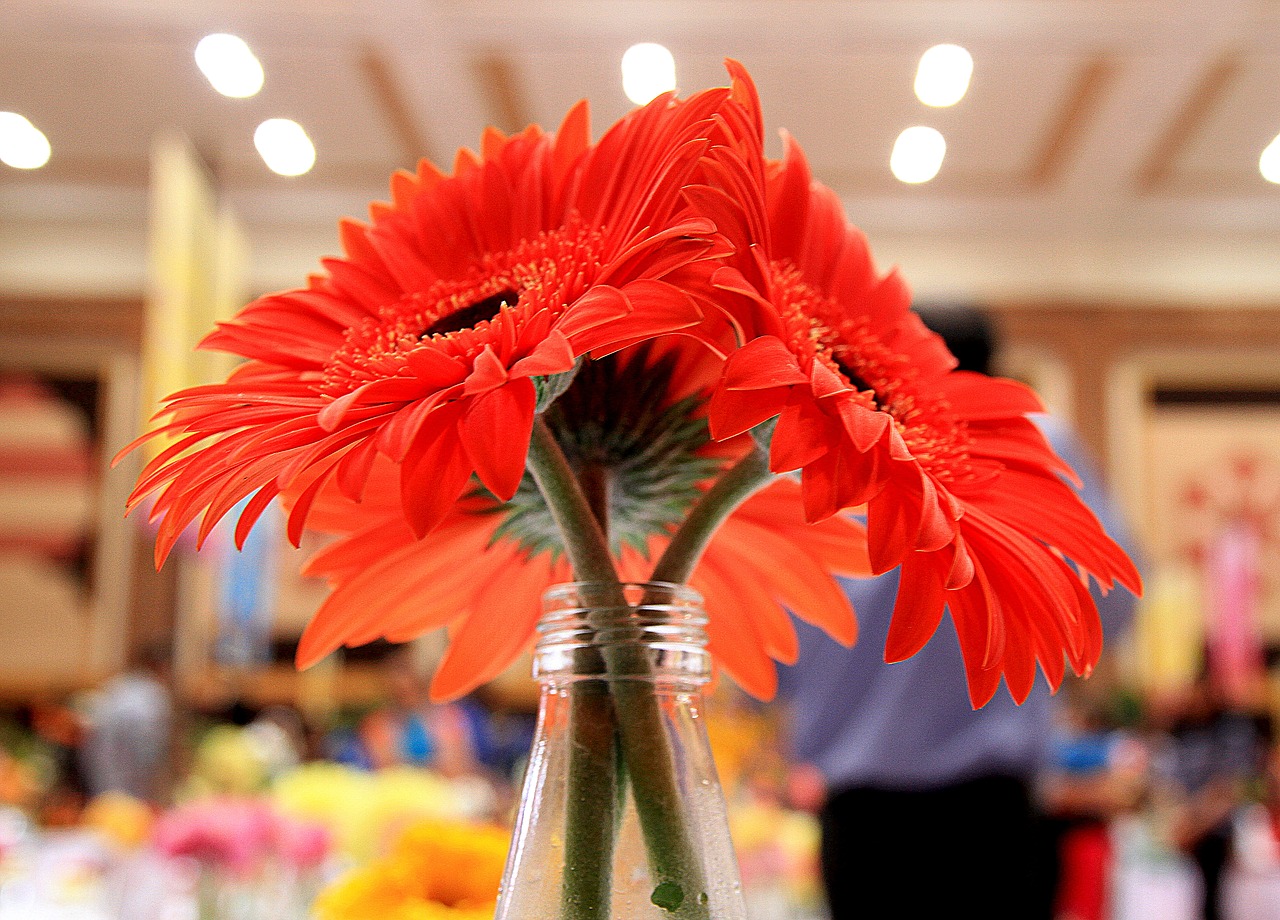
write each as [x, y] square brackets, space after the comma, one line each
[128, 726]
[58, 728]
[396, 732]
[411, 730]
[279, 735]
[1214, 757]
[929, 802]
[1096, 774]
[503, 731]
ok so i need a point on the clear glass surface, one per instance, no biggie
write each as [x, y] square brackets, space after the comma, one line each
[647, 656]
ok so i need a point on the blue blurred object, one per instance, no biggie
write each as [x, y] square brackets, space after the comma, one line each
[247, 580]
[1081, 755]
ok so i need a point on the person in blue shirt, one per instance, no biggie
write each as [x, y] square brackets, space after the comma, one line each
[929, 807]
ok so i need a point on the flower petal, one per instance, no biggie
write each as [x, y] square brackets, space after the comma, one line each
[762, 364]
[435, 470]
[495, 432]
[477, 652]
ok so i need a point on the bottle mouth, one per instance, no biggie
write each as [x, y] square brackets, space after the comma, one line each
[588, 595]
[637, 630]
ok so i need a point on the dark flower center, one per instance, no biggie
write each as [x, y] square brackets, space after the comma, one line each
[478, 312]
[813, 319]
[821, 329]
[461, 315]
[854, 378]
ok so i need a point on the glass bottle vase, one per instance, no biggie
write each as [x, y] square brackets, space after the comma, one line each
[621, 815]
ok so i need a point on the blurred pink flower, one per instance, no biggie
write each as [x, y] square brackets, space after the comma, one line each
[232, 834]
[302, 844]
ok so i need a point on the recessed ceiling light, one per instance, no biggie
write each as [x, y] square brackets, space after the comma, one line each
[917, 154]
[1269, 162]
[22, 144]
[284, 147]
[942, 78]
[229, 64]
[648, 70]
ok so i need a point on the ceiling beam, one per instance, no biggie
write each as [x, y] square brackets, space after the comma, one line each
[502, 89]
[1162, 157]
[431, 60]
[375, 64]
[1067, 130]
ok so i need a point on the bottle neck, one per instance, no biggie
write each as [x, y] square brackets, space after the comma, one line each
[649, 631]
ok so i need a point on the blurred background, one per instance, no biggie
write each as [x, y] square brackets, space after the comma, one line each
[1100, 178]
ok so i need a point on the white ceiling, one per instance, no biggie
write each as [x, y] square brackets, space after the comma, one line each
[1107, 149]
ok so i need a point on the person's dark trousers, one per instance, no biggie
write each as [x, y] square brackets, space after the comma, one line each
[1212, 853]
[969, 850]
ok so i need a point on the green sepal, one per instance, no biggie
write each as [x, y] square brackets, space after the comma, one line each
[551, 387]
[617, 415]
[763, 433]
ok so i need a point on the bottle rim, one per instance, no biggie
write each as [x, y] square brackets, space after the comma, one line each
[664, 624]
[573, 589]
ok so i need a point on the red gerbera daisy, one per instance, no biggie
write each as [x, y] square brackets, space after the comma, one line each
[960, 487]
[487, 587]
[428, 340]
[483, 571]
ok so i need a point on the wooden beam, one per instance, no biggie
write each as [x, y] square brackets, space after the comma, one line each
[1157, 168]
[1068, 127]
[111, 322]
[393, 101]
[502, 90]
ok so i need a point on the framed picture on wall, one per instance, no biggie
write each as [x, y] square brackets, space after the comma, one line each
[1196, 453]
[66, 551]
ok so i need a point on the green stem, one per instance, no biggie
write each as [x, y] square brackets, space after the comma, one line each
[206, 895]
[590, 800]
[738, 483]
[636, 713]
[584, 540]
[594, 479]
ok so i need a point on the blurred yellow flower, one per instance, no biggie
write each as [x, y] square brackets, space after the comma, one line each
[226, 763]
[438, 870]
[363, 810]
[121, 818]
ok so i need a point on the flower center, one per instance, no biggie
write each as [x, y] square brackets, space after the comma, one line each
[479, 312]
[459, 316]
[820, 329]
[855, 380]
